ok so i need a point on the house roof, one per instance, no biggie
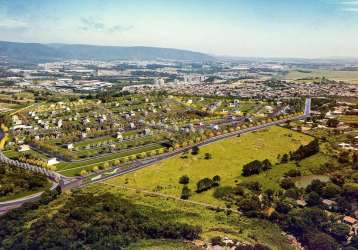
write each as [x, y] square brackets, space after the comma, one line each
[350, 220]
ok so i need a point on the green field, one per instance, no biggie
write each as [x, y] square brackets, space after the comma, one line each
[346, 76]
[228, 157]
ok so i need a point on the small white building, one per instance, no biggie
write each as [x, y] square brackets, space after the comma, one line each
[24, 148]
[52, 161]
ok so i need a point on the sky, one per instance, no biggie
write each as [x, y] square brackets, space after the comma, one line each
[244, 28]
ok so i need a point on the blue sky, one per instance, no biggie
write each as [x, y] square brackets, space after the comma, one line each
[267, 28]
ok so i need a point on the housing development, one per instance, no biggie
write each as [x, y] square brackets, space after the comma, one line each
[186, 125]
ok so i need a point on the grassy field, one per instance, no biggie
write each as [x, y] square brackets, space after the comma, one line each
[162, 244]
[347, 76]
[228, 158]
[349, 119]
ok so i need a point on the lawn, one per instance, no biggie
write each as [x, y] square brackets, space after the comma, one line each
[228, 158]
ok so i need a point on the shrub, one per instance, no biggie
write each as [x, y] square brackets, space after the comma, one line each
[287, 183]
[184, 179]
[203, 185]
[293, 173]
[185, 193]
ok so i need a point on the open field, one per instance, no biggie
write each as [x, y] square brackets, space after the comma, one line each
[349, 119]
[346, 76]
[228, 157]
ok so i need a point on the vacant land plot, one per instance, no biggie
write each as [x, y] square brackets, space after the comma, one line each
[228, 158]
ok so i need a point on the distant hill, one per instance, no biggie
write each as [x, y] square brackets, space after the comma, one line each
[36, 52]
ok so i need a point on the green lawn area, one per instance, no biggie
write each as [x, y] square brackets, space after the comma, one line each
[228, 158]
[74, 168]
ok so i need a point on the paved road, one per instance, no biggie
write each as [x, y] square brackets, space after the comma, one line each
[5, 206]
[139, 164]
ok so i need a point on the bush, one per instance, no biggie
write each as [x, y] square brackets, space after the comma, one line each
[195, 150]
[203, 185]
[293, 173]
[313, 199]
[287, 183]
[185, 193]
[216, 180]
[223, 193]
[251, 168]
[184, 179]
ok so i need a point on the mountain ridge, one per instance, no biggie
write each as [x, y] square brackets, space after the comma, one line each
[57, 51]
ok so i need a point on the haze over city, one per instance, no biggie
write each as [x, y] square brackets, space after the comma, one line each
[245, 28]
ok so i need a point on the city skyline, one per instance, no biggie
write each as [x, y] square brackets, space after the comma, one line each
[304, 29]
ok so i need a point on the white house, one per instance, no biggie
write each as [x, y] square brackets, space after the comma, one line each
[24, 148]
[52, 161]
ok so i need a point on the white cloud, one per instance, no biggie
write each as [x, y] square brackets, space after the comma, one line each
[13, 24]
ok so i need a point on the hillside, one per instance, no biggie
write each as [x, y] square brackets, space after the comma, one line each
[43, 52]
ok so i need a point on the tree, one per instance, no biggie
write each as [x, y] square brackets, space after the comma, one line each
[321, 241]
[306, 151]
[332, 123]
[340, 231]
[266, 165]
[284, 158]
[195, 150]
[216, 180]
[283, 206]
[354, 241]
[343, 157]
[293, 173]
[351, 190]
[203, 185]
[208, 156]
[331, 190]
[287, 183]
[313, 199]
[184, 179]
[316, 186]
[252, 168]
[185, 193]
[250, 205]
